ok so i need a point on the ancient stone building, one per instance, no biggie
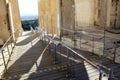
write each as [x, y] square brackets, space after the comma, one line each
[14, 14]
[80, 14]
[49, 15]
[4, 23]
[115, 14]
[9, 19]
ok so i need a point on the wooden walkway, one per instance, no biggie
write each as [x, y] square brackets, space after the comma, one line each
[27, 61]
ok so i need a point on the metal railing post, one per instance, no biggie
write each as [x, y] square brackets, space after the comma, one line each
[14, 43]
[11, 45]
[8, 51]
[61, 52]
[114, 57]
[93, 45]
[4, 61]
[55, 54]
[67, 57]
[80, 40]
[68, 70]
[49, 49]
[75, 44]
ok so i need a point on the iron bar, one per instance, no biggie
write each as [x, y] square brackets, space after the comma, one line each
[85, 59]
[93, 45]
[115, 48]
[61, 18]
[68, 69]
[81, 32]
[5, 44]
[67, 56]
[4, 62]
[8, 50]
[9, 53]
[55, 54]
[11, 45]
[104, 23]
[61, 51]
[80, 40]
[49, 47]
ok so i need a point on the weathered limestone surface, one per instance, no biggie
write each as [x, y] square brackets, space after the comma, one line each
[84, 12]
[4, 26]
[49, 15]
[115, 14]
[68, 15]
[81, 14]
[5, 21]
[1, 42]
[16, 17]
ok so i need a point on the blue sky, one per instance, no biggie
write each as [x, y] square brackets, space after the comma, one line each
[28, 7]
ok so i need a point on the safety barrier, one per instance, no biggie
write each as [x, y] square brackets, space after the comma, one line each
[7, 50]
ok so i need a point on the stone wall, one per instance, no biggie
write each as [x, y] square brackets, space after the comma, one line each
[15, 17]
[5, 19]
[115, 14]
[78, 14]
[68, 15]
[4, 25]
[90, 13]
[84, 11]
[49, 15]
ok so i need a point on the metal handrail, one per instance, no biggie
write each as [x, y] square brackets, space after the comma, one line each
[51, 40]
[87, 60]
[2, 49]
[5, 43]
[80, 32]
[97, 66]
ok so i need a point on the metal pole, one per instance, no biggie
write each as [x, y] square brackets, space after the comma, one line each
[67, 56]
[11, 45]
[4, 61]
[61, 52]
[50, 49]
[80, 40]
[93, 46]
[8, 51]
[14, 41]
[104, 22]
[74, 24]
[116, 13]
[55, 54]
[115, 51]
[74, 39]
[61, 22]
[52, 26]
[68, 70]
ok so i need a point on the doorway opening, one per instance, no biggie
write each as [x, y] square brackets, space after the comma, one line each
[28, 14]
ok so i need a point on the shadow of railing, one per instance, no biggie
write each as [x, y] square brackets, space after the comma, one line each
[25, 62]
